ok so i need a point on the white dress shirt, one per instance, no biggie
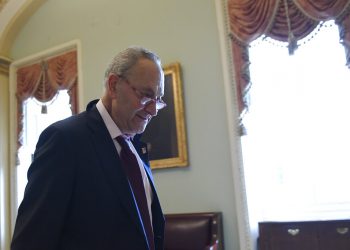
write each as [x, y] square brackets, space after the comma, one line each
[114, 131]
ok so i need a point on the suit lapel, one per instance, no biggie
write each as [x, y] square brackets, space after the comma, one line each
[157, 214]
[158, 220]
[111, 164]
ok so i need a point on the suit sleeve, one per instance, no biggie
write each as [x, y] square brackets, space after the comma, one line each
[42, 213]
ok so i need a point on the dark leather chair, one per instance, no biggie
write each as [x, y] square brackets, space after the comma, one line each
[194, 231]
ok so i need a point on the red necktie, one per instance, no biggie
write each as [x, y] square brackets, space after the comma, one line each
[133, 172]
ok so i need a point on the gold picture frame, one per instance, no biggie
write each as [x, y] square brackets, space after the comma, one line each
[165, 135]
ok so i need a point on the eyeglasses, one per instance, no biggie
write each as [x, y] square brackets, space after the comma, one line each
[144, 99]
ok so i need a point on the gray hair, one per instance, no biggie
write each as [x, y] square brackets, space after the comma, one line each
[127, 58]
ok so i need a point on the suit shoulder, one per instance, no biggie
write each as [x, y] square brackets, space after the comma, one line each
[72, 126]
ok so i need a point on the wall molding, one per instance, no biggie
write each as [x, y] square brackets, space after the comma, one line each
[13, 16]
[4, 65]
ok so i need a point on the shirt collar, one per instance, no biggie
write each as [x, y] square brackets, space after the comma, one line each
[113, 129]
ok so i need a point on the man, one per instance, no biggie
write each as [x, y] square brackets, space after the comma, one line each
[80, 194]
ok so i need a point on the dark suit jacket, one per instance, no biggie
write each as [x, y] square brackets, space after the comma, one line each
[78, 196]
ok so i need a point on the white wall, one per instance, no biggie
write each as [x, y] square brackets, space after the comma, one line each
[182, 30]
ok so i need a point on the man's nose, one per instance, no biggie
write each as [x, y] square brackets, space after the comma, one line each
[151, 108]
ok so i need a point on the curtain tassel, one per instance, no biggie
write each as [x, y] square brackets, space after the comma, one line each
[44, 109]
[44, 68]
[292, 43]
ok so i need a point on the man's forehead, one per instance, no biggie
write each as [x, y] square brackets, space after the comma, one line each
[154, 88]
[148, 75]
[145, 64]
[160, 89]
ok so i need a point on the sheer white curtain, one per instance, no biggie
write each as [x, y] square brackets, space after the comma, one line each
[34, 122]
[296, 159]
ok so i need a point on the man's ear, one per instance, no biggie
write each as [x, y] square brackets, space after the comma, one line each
[112, 84]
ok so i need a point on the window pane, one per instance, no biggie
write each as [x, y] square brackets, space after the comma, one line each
[295, 158]
[34, 122]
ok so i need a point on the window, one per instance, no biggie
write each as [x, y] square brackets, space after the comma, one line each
[34, 122]
[51, 76]
[47, 81]
[295, 154]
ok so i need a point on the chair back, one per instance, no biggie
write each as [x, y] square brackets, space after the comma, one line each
[193, 231]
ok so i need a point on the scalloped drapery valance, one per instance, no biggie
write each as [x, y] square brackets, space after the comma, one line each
[282, 20]
[43, 80]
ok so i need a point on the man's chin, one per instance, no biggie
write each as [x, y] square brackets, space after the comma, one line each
[140, 129]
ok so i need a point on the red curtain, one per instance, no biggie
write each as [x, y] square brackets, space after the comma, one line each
[43, 80]
[283, 20]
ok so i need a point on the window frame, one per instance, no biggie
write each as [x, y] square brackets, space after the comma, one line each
[72, 45]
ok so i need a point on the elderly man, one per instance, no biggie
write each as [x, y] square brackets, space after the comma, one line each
[90, 185]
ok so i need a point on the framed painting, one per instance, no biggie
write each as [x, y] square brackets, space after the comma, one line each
[165, 135]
